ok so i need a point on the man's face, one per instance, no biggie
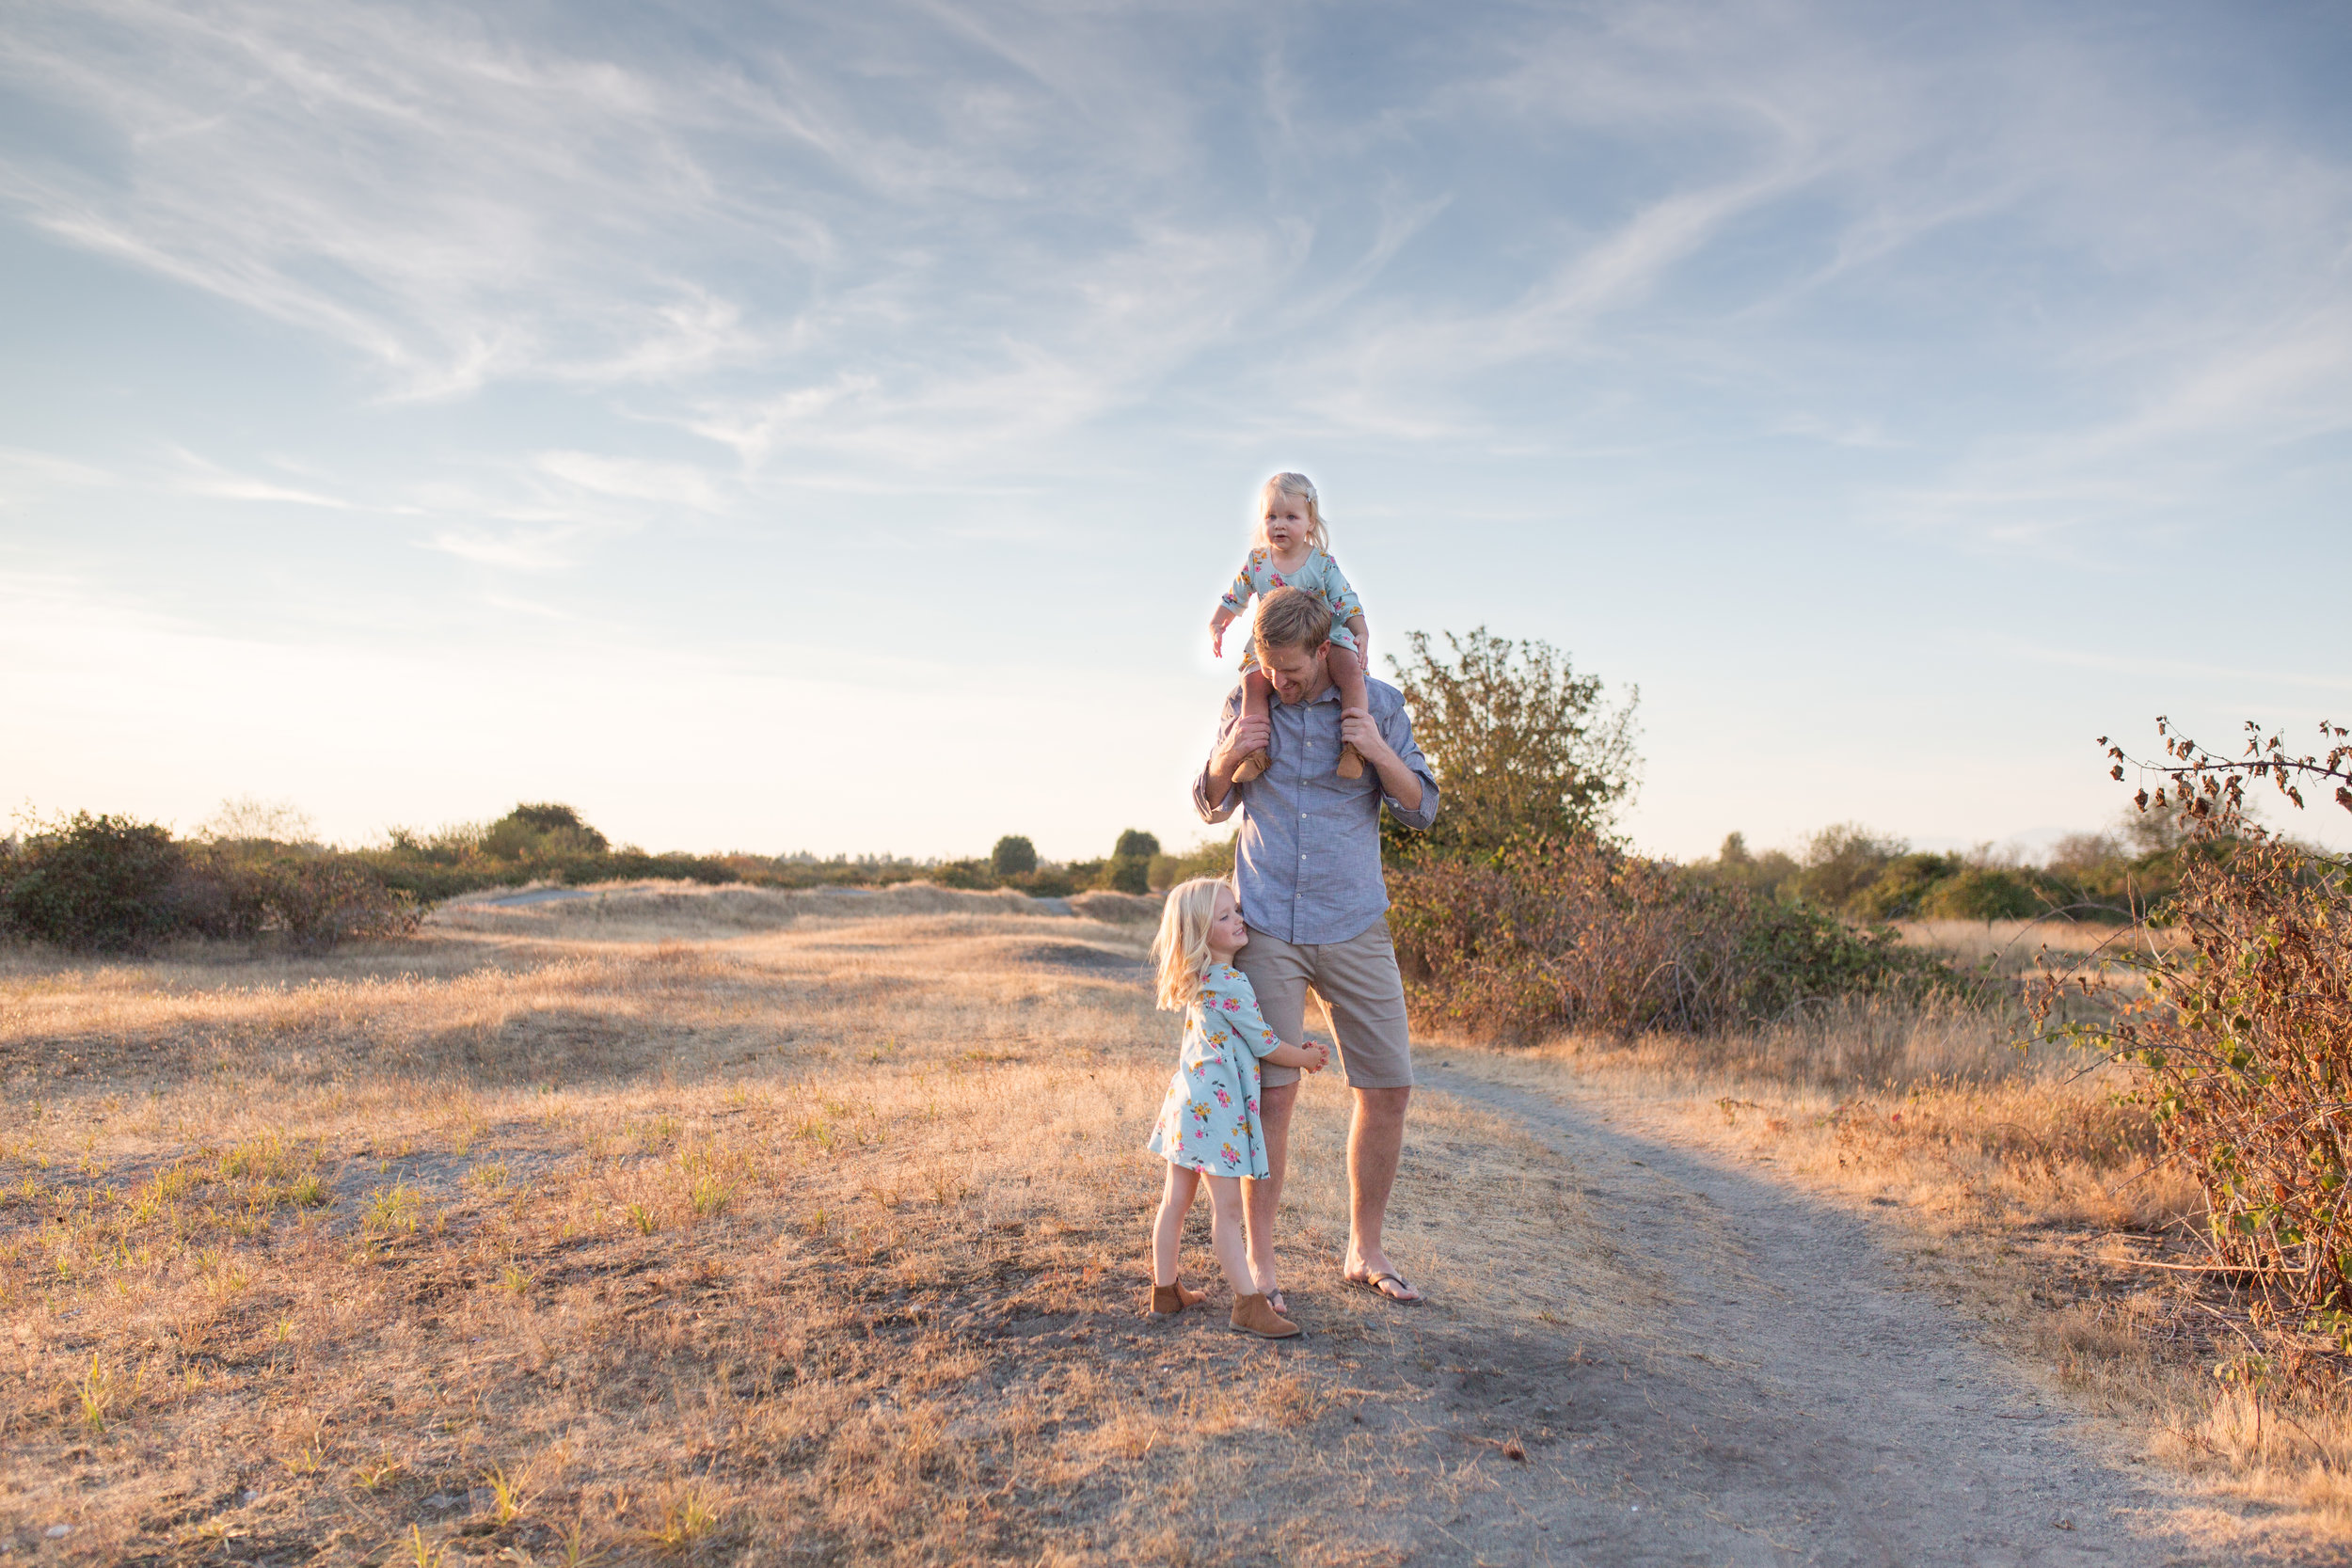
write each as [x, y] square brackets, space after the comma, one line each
[1297, 673]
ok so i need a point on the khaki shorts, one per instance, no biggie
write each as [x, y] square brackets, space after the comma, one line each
[1359, 983]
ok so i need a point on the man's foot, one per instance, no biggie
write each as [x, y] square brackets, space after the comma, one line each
[1168, 1300]
[1387, 1282]
[1252, 765]
[1256, 1315]
[1351, 763]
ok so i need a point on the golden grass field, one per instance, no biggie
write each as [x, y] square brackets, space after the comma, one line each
[782, 1227]
[808, 1226]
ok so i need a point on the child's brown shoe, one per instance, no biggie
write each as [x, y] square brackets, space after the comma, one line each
[1252, 765]
[1351, 761]
[1256, 1315]
[1168, 1300]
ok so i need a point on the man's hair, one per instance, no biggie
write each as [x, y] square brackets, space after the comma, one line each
[1292, 618]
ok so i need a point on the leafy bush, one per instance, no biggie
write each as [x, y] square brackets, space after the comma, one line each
[108, 884]
[2245, 1032]
[1984, 893]
[1013, 856]
[102, 884]
[2244, 1028]
[1553, 934]
[540, 832]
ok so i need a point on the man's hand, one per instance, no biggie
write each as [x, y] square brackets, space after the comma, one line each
[1357, 730]
[1249, 734]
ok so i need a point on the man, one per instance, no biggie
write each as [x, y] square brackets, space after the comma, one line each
[1312, 896]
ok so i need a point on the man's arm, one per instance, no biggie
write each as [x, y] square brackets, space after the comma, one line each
[1404, 777]
[1212, 794]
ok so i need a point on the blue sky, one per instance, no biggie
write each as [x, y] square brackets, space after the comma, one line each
[829, 427]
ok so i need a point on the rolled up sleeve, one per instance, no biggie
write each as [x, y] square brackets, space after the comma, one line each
[1397, 730]
[1217, 811]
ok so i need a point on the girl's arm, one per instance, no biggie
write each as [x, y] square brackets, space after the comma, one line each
[1312, 1055]
[1240, 1014]
[1364, 640]
[1217, 623]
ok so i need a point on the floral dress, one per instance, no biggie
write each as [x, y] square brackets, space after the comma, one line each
[1319, 574]
[1210, 1118]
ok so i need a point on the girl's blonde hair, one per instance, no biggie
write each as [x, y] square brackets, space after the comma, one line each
[1304, 488]
[1181, 948]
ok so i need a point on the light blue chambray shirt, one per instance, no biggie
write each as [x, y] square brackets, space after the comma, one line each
[1308, 859]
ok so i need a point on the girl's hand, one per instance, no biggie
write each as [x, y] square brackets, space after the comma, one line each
[1319, 1052]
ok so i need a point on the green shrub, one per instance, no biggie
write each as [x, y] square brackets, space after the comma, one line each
[540, 832]
[1553, 934]
[1013, 856]
[110, 885]
[104, 884]
[1135, 844]
[1902, 886]
[1983, 893]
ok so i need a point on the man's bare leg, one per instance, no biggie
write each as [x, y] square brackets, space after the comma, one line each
[1376, 1142]
[1261, 1198]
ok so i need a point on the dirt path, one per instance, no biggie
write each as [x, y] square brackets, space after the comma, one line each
[1788, 1400]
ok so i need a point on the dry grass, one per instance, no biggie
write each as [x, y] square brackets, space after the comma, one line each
[2027, 1181]
[677, 1224]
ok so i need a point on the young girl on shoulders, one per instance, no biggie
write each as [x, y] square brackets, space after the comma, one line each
[1208, 1124]
[1292, 552]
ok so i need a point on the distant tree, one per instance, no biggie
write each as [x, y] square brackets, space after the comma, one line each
[1521, 743]
[538, 831]
[1014, 856]
[1842, 859]
[1130, 867]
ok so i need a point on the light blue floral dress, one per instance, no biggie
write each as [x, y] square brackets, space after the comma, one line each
[1210, 1118]
[1320, 575]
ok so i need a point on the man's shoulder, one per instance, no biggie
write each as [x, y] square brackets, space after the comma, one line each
[1384, 699]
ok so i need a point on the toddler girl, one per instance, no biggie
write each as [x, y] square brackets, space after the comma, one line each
[1291, 554]
[1209, 1122]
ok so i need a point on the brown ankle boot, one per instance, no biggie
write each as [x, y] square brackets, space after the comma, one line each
[1168, 1300]
[1256, 1315]
[1252, 765]
[1351, 763]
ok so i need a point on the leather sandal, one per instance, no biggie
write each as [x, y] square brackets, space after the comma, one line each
[1252, 765]
[1351, 761]
[1406, 1295]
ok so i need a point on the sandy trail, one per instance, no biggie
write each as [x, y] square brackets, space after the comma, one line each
[1788, 1400]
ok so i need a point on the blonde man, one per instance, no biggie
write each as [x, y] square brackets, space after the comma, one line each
[1308, 866]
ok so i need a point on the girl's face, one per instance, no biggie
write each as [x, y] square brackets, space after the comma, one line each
[1227, 934]
[1286, 523]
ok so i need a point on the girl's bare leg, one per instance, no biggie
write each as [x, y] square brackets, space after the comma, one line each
[1167, 1232]
[1348, 674]
[1232, 1250]
[1257, 702]
[1253, 1312]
